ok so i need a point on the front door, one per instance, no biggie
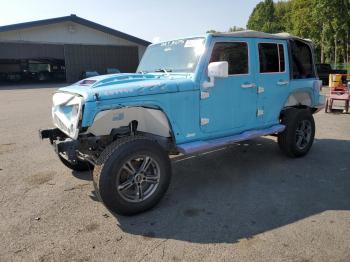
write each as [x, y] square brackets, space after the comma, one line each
[230, 105]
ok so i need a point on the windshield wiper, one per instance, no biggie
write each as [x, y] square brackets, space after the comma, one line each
[143, 72]
[166, 71]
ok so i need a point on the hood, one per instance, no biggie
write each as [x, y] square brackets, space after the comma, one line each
[128, 85]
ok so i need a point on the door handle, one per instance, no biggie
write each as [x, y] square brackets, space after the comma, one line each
[248, 85]
[282, 82]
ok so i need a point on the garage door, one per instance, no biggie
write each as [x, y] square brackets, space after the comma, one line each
[31, 51]
[81, 58]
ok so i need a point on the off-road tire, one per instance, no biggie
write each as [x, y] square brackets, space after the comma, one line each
[287, 140]
[110, 163]
[79, 166]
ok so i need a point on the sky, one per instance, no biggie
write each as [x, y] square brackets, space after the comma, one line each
[152, 20]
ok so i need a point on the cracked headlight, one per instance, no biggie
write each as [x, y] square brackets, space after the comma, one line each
[66, 113]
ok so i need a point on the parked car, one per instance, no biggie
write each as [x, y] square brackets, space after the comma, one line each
[13, 77]
[33, 70]
[189, 95]
[112, 71]
[3, 76]
[324, 70]
[10, 72]
[87, 74]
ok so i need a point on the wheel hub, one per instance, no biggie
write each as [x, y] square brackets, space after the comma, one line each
[138, 178]
[303, 134]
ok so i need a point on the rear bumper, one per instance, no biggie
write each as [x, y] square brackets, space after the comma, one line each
[321, 104]
[319, 108]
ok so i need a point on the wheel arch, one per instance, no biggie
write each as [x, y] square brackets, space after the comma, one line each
[151, 119]
[302, 98]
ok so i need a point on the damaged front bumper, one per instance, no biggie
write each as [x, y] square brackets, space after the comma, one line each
[62, 144]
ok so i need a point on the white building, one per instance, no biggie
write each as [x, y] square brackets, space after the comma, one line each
[73, 42]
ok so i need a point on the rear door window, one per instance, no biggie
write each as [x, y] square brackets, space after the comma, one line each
[235, 53]
[271, 58]
[302, 61]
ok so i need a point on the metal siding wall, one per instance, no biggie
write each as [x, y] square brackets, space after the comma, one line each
[81, 58]
[30, 51]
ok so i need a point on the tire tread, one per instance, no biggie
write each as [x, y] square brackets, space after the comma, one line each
[103, 160]
[286, 138]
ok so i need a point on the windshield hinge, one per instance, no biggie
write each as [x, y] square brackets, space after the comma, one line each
[261, 90]
[260, 112]
[204, 121]
[205, 95]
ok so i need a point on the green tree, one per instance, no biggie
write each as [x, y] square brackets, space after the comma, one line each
[263, 18]
[283, 20]
[325, 22]
[231, 29]
[235, 29]
[332, 29]
[211, 31]
[302, 21]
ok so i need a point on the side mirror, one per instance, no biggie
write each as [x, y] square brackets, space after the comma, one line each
[216, 70]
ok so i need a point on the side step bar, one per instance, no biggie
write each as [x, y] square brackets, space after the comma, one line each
[200, 146]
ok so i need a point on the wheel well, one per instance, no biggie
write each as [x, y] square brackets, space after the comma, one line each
[299, 98]
[282, 113]
[131, 130]
[147, 120]
[129, 121]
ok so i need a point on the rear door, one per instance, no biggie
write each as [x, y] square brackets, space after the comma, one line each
[273, 79]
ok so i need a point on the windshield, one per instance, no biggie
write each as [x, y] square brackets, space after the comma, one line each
[173, 56]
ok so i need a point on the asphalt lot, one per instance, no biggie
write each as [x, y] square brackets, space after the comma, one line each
[244, 203]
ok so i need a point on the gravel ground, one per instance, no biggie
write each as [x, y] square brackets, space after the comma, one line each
[244, 203]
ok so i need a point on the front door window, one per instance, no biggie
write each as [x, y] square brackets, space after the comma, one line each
[235, 53]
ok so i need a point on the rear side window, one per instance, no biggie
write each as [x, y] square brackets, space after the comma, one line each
[235, 53]
[302, 61]
[271, 58]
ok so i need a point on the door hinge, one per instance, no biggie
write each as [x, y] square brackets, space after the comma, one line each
[261, 90]
[204, 95]
[260, 112]
[204, 121]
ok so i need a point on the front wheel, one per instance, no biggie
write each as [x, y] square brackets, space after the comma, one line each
[132, 175]
[296, 140]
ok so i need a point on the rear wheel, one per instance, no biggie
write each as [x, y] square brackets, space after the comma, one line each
[132, 175]
[296, 140]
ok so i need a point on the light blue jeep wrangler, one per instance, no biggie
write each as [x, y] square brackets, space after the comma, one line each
[188, 96]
